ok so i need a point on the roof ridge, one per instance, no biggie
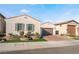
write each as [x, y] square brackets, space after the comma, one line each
[48, 22]
[23, 15]
[66, 22]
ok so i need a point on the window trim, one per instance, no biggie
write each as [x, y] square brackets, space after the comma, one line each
[33, 27]
[17, 25]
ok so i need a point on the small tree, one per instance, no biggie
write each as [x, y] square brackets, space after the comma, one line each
[37, 35]
[21, 33]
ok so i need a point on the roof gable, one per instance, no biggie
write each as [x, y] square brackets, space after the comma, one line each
[24, 15]
[67, 22]
[47, 25]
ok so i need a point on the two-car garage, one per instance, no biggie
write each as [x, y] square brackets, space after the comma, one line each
[47, 29]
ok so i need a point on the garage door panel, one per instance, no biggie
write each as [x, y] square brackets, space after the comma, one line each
[47, 31]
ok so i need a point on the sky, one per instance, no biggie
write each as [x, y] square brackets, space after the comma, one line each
[43, 12]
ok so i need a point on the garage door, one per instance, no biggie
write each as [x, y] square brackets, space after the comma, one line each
[71, 29]
[47, 31]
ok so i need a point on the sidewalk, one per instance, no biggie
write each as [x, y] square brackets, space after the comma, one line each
[4, 47]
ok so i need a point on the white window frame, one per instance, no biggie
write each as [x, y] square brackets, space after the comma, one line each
[32, 29]
[19, 24]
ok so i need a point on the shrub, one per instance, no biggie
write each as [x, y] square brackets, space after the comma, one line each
[25, 36]
[15, 38]
[12, 37]
[28, 35]
[37, 35]
[10, 34]
[21, 33]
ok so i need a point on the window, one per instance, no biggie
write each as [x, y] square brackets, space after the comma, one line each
[57, 32]
[19, 26]
[30, 27]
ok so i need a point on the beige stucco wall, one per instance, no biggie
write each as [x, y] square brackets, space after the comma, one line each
[48, 25]
[10, 24]
[63, 28]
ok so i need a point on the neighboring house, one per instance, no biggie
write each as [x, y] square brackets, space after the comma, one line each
[2, 24]
[22, 22]
[48, 29]
[70, 27]
[67, 28]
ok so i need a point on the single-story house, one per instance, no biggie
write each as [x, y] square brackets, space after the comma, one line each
[22, 22]
[70, 27]
[48, 28]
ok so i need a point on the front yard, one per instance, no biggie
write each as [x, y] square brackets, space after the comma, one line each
[28, 37]
[35, 38]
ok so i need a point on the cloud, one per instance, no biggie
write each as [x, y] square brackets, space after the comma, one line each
[24, 11]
